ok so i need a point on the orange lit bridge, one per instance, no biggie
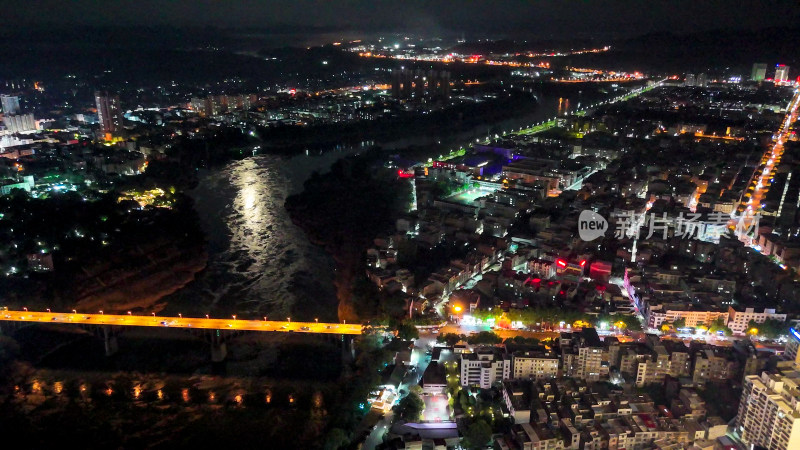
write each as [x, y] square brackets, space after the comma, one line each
[216, 331]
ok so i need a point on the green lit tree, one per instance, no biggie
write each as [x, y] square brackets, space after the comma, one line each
[484, 337]
[407, 332]
[449, 338]
[410, 407]
[477, 435]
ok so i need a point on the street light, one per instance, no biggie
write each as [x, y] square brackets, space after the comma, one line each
[234, 317]
[48, 309]
[316, 320]
[74, 312]
[206, 316]
[101, 312]
[26, 309]
[129, 313]
[288, 319]
[265, 318]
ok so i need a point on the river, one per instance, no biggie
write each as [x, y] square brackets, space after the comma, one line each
[260, 263]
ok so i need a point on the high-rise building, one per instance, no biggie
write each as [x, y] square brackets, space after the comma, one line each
[19, 123]
[791, 352]
[584, 356]
[690, 81]
[109, 114]
[759, 72]
[702, 79]
[10, 104]
[407, 83]
[769, 410]
[781, 73]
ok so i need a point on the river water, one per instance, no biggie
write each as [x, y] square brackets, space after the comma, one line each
[260, 263]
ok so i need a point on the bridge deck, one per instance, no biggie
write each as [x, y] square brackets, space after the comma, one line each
[180, 322]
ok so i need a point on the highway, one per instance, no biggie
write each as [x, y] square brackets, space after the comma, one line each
[131, 320]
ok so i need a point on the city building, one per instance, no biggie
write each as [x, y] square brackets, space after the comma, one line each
[534, 365]
[656, 314]
[109, 113]
[690, 80]
[769, 410]
[214, 105]
[517, 397]
[584, 355]
[9, 104]
[781, 73]
[759, 72]
[702, 79]
[484, 367]
[711, 363]
[791, 352]
[19, 123]
[407, 83]
[738, 320]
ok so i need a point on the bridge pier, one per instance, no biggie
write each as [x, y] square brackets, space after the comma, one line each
[110, 341]
[348, 351]
[219, 351]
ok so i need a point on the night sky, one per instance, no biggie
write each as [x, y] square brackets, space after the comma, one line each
[542, 19]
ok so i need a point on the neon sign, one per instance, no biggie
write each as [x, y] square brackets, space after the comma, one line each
[795, 333]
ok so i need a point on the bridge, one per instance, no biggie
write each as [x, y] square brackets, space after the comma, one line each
[216, 331]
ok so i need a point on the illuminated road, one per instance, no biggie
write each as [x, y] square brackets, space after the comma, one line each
[761, 181]
[180, 322]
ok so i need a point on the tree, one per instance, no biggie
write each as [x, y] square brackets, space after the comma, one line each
[478, 434]
[407, 332]
[335, 439]
[365, 297]
[717, 325]
[680, 322]
[410, 407]
[484, 337]
[631, 323]
[393, 305]
[521, 340]
[450, 339]
[770, 328]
